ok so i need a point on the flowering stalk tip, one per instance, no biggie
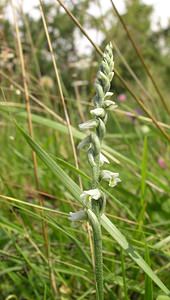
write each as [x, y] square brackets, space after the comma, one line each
[94, 199]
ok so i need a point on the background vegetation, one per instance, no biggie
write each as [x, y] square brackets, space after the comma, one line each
[42, 256]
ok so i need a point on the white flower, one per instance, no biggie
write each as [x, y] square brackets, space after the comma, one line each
[111, 74]
[103, 159]
[88, 125]
[77, 216]
[98, 112]
[108, 95]
[110, 105]
[112, 178]
[86, 196]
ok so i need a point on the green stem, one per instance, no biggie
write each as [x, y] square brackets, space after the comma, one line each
[96, 171]
[97, 237]
[102, 85]
[94, 217]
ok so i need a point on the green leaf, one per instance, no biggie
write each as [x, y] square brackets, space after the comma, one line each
[112, 153]
[162, 297]
[122, 241]
[143, 184]
[106, 223]
[148, 282]
[83, 175]
[72, 187]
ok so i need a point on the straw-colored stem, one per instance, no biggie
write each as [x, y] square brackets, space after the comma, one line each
[64, 106]
[125, 84]
[30, 129]
[140, 56]
[59, 87]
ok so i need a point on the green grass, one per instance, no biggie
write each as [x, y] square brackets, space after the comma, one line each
[136, 223]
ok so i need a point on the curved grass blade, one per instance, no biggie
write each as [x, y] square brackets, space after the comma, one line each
[113, 154]
[106, 223]
[121, 240]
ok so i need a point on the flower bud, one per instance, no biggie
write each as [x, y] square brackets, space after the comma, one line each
[88, 125]
[103, 159]
[98, 112]
[108, 95]
[110, 105]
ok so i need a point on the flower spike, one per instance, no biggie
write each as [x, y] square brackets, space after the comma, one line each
[112, 178]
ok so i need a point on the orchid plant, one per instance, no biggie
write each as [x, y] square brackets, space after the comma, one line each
[94, 199]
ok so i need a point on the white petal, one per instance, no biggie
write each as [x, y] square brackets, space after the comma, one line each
[88, 125]
[114, 181]
[111, 105]
[95, 194]
[108, 94]
[84, 197]
[77, 216]
[103, 159]
[106, 174]
[90, 194]
[98, 112]
[112, 177]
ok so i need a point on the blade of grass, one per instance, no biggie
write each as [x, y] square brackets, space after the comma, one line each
[33, 98]
[30, 128]
[140, 56]
[143, 183]
[148, 282]
[123, 59]
[51, 222]
[115, 155]
[61, 94]
[124, 275]
[106, 223]
[59, 87]
[125, 84]
[117, 235]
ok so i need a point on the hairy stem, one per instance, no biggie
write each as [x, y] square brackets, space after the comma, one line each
[97, 238]
[94, 199]
[97, 234]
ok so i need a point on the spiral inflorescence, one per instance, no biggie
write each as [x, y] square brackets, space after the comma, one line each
[94, 200]
[102, 104]
[97, 128]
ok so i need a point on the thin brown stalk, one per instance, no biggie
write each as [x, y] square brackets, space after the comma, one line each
[60, 88]
[58, 118]
[25, 19]
[39, 207]
[139, 54]
[30, 129]
[35, 99]
[125, 84]
[79, 26]
[34, 193]
[79, 106]
[65, 112]
[142, 118]
[148, 113]
[123, 59]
